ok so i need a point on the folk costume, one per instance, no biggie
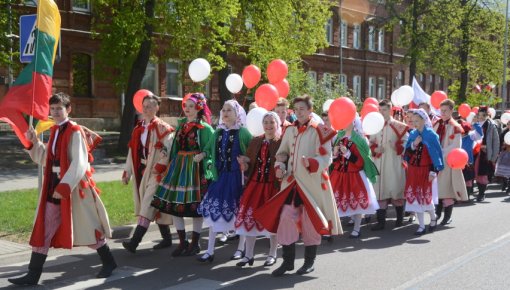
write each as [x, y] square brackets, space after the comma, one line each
[262, 185]
[424, 161]
[472, 134]
[484, 163]
[147, 159]
[451, 184]
[305, 198]
[79, 218]
[185, 183]
[389, 187]
[221, 203]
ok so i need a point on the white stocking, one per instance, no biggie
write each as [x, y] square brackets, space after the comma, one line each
[197, 224]
[178, 223]
[250, 245]
[242, 240]
[421, 219]
[273, 245]
[357, 222]
[212, 241]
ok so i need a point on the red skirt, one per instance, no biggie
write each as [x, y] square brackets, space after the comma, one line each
[254, 196]
[349, 190]
[418, 187]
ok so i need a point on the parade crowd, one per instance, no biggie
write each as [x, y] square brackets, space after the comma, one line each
[293, 182]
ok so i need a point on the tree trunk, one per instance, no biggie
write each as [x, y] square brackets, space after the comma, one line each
[464, 54]
[135, 81]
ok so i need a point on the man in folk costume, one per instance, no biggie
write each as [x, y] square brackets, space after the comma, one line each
[451, 182]
[387, 149]
[70, 212]
[147, 159]
[306, 199]
[489, 151]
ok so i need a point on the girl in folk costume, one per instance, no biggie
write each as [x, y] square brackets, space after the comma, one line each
[472, 134]
[70, 212]
[353, 174]
[220, 205]
[146, 160]
[262, 185]
[185, 184]
[425, 159]
[503, 165]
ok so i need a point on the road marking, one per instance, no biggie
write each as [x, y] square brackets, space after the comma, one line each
[198, 284]
[445, 269]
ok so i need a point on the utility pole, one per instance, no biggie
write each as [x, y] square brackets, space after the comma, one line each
[503, 87]
[10, 36]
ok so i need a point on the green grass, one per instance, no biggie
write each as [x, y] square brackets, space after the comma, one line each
[17, 209]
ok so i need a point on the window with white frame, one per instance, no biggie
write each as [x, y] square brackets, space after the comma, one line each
[381, 88]
[329, 31]
[399, 79]
[356, 87]
[356, 36]
[150, 78]
[343, 81]
[343, 34]
[327, 80]
[81, 5]
[173, 83]
[371, 87]
[371, 38]
[380, 41]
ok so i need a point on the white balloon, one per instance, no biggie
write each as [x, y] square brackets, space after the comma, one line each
[317, 118]
[470, 117]
[373, 123]
[234, 83]
[394, 98]
[505, 118]
[254, 121]
[326, 105]
[405, 95]
[507, 138]
[199, 70]
[492, 113]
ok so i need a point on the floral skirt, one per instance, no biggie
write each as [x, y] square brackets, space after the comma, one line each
[221, 203]
[254, 196]
[354, 194]
[420, 193]
[183, 187]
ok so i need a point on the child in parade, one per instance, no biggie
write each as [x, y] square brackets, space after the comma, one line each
[262, 185]
[69, 198]
[146, 160]
[305, 203]
[352, 176]
[185, 182]
[472, 134]
[424, 159]
[221, 203]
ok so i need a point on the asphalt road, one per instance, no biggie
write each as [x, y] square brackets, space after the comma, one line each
[471, 253]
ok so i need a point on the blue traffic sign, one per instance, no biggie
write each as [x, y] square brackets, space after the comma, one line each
[27, 37]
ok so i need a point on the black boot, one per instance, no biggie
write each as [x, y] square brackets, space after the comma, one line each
[381, 220]
[310, 253]
[507, 182]
[34, 271]
[469, 192]
[135, 239]
[167, 238]
[447, 215]
[481, 192]
[108, 262]
[183, 244]
[194, 247]
[288, 255]
[400, 216]
[439, 209]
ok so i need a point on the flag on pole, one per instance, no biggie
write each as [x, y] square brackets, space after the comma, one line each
[31, 91]
[420, 96]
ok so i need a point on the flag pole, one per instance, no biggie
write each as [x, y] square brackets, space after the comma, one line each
[31, 119]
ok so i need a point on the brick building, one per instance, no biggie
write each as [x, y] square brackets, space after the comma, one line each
[369, 64]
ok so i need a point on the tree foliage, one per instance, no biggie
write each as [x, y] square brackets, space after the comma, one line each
[9, 18]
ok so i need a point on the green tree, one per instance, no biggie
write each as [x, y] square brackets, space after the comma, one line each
[9, 16]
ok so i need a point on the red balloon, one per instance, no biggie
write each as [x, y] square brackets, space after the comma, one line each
[368, 108]
[283, 88]
[464, 110]
[370, 101]
[475, 110]
[266, 96]
[437, 97]
[277, 70]
[251, 76]
[457, 158]
[138, 99]
[341, 113]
